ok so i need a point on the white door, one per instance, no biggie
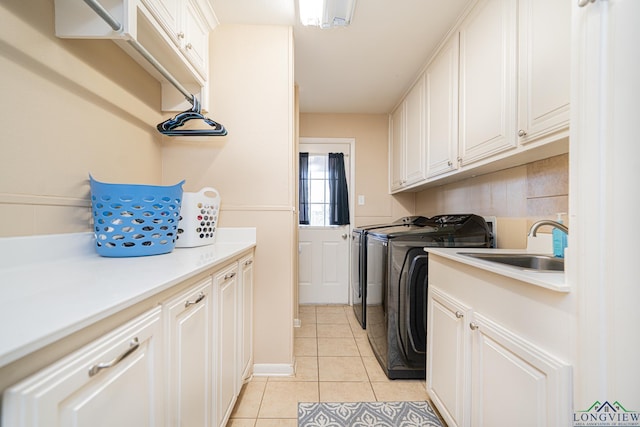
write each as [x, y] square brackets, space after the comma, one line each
[323, 276]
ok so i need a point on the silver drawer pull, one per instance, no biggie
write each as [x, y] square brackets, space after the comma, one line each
[200, 297]
[459, 315]
[229, 276]
[473, 326]
[248, 262]
[133, 346]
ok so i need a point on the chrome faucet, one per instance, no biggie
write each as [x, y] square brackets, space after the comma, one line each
[538, 224]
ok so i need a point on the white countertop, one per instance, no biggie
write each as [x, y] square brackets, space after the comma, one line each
[553, 280]
[52, 286]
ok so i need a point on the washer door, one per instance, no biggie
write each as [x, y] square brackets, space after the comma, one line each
[412, 309]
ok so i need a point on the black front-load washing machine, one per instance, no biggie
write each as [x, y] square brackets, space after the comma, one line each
[397, 278]
[358, 254]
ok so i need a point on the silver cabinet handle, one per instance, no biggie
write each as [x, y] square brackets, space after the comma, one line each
[229, 276]
[200, 297]
[344, 236]
[459, 315]
[180, 35]
[133, 346]
[473, 326]
[248, 262]
[522, 133]
[189, 46]
[583, 3]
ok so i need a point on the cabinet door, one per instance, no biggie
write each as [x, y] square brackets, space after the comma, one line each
[544, 68]
[441, 110]
[397, 135]
[196, 41]
[169, 15]
[447, 356]
[189, 334]
[115, 381]
[226, 286]
[514, 382]
[488, 80]
[414, 139]
[246, 318]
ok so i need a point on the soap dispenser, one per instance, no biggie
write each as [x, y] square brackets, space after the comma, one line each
[559, 239]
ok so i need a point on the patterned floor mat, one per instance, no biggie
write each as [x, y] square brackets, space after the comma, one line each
[368, 414]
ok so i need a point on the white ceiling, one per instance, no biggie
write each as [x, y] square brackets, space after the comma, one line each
[363, 68]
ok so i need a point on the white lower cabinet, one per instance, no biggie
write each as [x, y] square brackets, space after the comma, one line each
[189, 356]
[180, 364]
[479, 373]
[514, 382]
[448, 350]
[116, 380]
[246, 318]
[226, 382]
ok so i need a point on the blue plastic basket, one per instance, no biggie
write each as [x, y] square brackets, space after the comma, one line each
[135, 220]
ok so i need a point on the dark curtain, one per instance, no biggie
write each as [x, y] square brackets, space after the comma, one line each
[303, 189]
[338, 193]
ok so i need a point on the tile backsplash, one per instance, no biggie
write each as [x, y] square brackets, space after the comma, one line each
[518, 196]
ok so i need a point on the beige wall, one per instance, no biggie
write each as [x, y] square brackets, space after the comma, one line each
[252, 94]
[371, 170]
[68, 108]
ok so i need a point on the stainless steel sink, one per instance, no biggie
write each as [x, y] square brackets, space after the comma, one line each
[524, 261]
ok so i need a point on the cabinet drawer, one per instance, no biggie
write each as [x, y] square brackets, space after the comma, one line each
[114, 381]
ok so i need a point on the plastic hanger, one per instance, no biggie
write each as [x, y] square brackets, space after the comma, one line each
[168, 127]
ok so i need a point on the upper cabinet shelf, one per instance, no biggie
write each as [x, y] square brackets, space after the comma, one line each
[174, 32]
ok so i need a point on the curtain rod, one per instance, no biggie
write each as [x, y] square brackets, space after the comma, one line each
[117, 26]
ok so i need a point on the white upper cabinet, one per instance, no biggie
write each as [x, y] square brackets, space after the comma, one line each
[173, 32]
[196, 39]
[407, 139]
[396, 148]
[441, 110]
[544, 68]
[414, 139]
[169, 16]
[496, 95]
[488, 39]
[186, 26]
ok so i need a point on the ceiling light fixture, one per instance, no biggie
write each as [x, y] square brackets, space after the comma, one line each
[326, 13]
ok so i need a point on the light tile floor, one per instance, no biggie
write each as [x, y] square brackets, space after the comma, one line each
[334, 363]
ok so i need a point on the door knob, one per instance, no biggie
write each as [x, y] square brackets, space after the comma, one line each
[344, 236]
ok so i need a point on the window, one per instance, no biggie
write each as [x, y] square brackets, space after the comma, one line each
[323, 190]
[318, 190]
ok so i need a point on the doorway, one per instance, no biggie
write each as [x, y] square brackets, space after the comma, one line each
[323, 270]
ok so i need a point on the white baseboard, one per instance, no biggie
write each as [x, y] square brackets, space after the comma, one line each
[273, 370]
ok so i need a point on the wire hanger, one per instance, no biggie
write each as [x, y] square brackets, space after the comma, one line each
[168, 127]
